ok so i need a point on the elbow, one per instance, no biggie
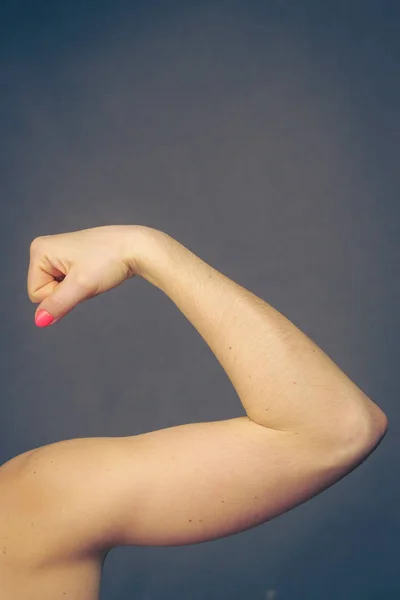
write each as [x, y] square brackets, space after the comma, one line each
[366, 433]
[379, 426]
[383, 423]
[353, 442]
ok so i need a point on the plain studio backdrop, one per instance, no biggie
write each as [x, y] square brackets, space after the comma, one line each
[264, 137]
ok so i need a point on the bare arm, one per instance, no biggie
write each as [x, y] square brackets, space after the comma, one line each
[306, 426]
[283, 379]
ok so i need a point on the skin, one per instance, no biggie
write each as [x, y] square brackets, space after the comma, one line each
[64, 506]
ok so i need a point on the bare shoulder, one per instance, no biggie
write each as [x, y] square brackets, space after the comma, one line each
[47, 492]
[32, 560]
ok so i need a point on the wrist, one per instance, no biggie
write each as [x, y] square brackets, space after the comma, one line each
[142, 246]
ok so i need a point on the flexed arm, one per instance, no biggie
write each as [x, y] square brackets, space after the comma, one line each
[306, 426]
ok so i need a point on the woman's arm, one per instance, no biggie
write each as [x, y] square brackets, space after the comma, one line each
[283, 379]
[306, 426]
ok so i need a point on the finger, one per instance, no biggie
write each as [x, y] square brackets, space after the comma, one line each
[64, 297]
[43, 276]
[41, 284]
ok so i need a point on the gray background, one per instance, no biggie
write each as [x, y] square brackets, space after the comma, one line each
[264, 137]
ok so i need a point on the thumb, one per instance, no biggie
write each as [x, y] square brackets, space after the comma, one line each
[66, 295]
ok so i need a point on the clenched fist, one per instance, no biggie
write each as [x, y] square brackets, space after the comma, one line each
[68, 268]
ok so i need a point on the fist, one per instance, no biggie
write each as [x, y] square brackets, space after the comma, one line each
[68, 268]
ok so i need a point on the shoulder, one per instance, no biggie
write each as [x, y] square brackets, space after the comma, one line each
[42, 496]
[35, 559]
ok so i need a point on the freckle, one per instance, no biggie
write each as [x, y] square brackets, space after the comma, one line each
[222, 501]
[255, 497]
[230, 347]
[201, 520]
[34, 472]
[294, 381]
[190, 520]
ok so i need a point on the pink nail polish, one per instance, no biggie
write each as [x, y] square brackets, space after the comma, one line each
[43, 318]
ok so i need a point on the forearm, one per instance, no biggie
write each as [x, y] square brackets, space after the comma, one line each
[283, 379]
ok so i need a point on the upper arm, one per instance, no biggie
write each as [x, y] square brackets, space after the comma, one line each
[180, 485]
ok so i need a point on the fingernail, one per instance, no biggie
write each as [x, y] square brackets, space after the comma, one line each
[43, 318]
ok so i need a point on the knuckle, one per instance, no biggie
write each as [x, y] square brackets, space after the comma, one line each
[36, 243]
[36, 296]
[84, 281]
[33, 293]
[33, 297]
